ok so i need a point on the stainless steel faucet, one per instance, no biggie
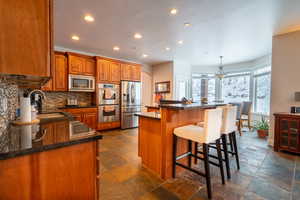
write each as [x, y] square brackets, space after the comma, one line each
[36, 100]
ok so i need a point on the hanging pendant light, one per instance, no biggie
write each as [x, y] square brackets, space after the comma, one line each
[220, 74]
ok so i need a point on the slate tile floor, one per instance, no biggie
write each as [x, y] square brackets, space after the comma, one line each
[264, 174]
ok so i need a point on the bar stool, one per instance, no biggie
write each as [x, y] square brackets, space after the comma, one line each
[206, 135]
[228, 129]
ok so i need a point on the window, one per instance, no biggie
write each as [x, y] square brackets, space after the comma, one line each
[262, 91]
[199, 88]
[236, 87]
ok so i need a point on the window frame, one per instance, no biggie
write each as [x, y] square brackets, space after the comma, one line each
[254, 110]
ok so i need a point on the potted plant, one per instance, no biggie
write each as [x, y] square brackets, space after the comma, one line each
[262, 128]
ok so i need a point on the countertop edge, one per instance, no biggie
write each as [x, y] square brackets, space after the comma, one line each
[5, 156]
[147, 116]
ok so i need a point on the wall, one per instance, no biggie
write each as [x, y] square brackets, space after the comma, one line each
[162, 72]
[182, 75]
[285, 74]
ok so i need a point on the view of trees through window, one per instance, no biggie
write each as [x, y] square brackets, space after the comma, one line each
[236, 88]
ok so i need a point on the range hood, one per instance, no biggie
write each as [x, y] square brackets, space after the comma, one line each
[26, 81]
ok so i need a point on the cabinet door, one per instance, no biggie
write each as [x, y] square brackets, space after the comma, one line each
[289, 134]
[25, 37]
[135, 73]
[76, 64]
[62, 131]
[48, 130]
[103, 70]
[60, 74]
[115, 72]
[48, 86]
[126, 72]
[90, 119]
[77, 116]
[90, 67]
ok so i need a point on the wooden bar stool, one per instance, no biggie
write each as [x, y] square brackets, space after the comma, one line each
[202, 135]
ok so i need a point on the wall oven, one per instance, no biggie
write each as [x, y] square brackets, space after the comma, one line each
[109, 94]
[79, 83]
[109, 113]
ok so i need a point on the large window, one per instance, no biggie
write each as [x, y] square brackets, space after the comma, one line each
[236, 87]
[262, 91]
[203, 84]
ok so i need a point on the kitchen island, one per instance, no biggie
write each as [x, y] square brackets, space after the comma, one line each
[155, 139]
[55, 159]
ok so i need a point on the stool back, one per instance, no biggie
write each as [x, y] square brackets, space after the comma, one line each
[229, 119]
[212, 124]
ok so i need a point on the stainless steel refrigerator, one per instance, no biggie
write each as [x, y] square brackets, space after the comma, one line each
[130, 103]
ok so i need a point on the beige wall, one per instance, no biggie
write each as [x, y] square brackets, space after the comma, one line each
[146, 79]
[162, 72]
[285, 74]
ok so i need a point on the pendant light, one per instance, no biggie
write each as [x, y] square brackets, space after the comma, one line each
[220, 74]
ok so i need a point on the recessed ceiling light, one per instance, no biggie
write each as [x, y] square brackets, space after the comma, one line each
[138, 36]
[180, 42]
[187, 24]
[89, 18]
[75, 37]
[116, 48]
[145, 55]
[173, 11]
[167, 48]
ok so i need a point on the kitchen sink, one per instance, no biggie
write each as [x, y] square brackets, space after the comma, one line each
[50, 115]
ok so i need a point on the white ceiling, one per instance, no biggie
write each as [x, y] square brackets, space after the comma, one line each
[241, 30]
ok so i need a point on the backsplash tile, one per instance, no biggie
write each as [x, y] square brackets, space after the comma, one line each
[56, 100]
[8, 103]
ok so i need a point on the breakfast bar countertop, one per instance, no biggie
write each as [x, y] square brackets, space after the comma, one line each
[154, 115]
[191, 106]
[47, 135]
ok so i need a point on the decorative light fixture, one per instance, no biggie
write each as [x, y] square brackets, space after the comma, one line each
[220, 74]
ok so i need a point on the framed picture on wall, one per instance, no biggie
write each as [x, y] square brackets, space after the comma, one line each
[162, 87]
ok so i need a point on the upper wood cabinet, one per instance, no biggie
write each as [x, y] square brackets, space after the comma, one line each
[80, 64]
[131, 72]
[26, 37]
[59, 71]
[108, 71]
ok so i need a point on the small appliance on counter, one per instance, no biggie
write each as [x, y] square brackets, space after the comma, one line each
[72, 102]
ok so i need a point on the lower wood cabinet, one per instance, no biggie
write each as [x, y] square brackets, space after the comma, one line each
[64, 173]
[108, 125]
[287, 132]
[85, 115]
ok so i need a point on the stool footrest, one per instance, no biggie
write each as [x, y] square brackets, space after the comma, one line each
[211, 162]
[191, 169]
[183, 155]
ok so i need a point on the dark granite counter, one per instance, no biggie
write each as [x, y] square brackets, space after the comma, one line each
[155, 107]
[153, 115]
[47, 135]
[78, 107]
[191, 106]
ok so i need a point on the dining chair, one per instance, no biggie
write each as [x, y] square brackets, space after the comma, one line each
[246, 114]
[238, 115]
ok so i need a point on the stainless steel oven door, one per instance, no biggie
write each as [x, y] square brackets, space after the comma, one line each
[109, 94]
[109, 113]
[79, 83]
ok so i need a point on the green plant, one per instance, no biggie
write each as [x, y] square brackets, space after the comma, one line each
[263, 124]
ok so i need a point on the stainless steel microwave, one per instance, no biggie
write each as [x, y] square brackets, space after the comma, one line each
[79, 83]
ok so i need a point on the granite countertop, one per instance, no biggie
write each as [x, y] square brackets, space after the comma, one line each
[74, 107]
[154, 115]
[154, 106]
[191, 106]
[47, 135]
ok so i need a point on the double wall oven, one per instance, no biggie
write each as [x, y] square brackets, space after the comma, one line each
[109, 103]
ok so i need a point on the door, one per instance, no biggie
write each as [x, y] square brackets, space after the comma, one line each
[126, 72]
[76, 64]
[115, 72]
[103, 70]
[135, 73]
[109, 94]
[25, 37]
[131, 93]
[48, 86]
[90, 119]
[90, 67]
[60, 73]
[289, 134]
[109, 113]
[62, 133]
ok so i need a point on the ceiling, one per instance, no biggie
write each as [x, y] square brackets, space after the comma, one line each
[240, 30]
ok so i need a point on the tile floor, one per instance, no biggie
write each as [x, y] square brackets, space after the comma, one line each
[264, 174]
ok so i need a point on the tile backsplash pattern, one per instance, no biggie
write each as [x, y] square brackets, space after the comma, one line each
[55, 100]
[8, 103]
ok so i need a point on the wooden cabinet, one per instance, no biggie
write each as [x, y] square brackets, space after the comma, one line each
[85, 115]
[287, 132]
[108, 71]
[108, 125]
[26, 37]
[64, 173]
[131, 72]
[81, 64]
[59, 72]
